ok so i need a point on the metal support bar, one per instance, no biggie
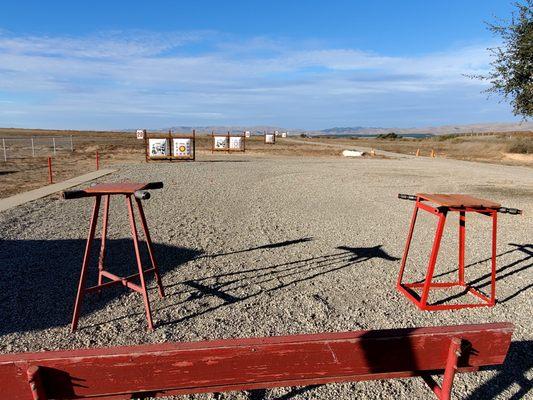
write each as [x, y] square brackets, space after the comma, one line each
[83, 274]
[444, 391]
[36, 384]
[407, 197]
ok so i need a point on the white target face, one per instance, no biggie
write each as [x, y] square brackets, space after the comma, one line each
[158, 147]
[269, 138]
[182, 147]
[221, 142]
[235, 143]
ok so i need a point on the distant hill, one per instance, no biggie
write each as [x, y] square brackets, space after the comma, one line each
[357, 130]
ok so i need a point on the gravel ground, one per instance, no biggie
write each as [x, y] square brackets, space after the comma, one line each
[252, 246]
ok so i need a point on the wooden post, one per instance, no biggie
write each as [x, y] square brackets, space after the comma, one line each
[97, 160]
[418, 152]
[4, 146]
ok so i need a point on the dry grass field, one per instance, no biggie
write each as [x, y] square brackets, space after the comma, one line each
[23, 172]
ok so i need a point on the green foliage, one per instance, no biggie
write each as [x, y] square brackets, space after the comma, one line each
[512, 68]
[390, 136]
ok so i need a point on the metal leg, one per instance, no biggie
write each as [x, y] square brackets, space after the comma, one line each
[444, 392]
[407, 245]
[36, 383]
[139, 262]
[83, 274]
[462, 235]
[433, 258]
[493, 267]
[150, 249]
[101, 260]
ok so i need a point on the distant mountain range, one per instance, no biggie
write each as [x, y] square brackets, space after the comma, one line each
[362, 130]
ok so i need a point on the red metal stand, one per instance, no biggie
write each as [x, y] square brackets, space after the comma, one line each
[446, 203]
[138, 191]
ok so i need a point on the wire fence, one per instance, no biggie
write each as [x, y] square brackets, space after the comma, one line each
[35, 146]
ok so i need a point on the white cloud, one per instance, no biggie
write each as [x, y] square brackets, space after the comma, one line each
[199, 77]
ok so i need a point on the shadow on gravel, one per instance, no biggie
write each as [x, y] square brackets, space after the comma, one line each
[261, 394]
[40, 278]
[523, 261]
[232, 287]
[262, 247]
[513, 373]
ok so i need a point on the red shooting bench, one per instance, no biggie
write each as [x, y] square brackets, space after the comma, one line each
[165, 369]
[441, 205]
[137, 191]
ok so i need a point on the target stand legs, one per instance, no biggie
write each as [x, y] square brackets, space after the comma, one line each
[106, 278]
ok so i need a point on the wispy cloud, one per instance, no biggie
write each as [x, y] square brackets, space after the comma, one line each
[154, 79]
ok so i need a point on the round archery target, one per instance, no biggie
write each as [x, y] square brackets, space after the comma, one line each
[235, 143]
[182, 147]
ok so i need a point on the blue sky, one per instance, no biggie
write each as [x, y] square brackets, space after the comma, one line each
[296, 64]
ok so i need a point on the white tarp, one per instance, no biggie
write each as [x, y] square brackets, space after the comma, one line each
[353, 153]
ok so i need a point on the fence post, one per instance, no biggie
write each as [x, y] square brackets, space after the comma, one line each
[4, 146]
[32, 148]
[71, 144]
[54, 143]
[50, 178]
[97, 160]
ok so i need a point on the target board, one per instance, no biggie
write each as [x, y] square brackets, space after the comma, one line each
[220, 142]
[270, 138]
[178, 147]
[158, 147]
[235, 143]
[182, 147]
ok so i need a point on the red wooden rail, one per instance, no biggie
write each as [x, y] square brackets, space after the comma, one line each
[253, 363]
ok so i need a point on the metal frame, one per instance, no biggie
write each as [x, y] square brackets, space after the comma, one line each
[113, 279]
[421, 301]
[228, 149]
[166, 369]
[170, 137]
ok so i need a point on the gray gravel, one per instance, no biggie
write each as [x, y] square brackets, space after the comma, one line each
[251, 246]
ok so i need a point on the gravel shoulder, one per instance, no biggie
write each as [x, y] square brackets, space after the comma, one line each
[262, 246]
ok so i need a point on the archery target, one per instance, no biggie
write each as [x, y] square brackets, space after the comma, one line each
[235, 143]
[158, 147]
[182, 147]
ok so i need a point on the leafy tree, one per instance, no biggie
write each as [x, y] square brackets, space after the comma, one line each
[511, 74]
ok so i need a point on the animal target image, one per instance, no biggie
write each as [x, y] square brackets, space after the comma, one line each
[182, 147]
[220, 142]
[158, 147]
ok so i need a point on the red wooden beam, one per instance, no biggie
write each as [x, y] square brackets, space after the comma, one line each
[252, 363]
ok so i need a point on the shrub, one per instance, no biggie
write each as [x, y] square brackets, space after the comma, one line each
[521, 146]
[390, 136]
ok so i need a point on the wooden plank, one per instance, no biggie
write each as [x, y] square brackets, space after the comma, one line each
[458, 200]
[241, 364]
